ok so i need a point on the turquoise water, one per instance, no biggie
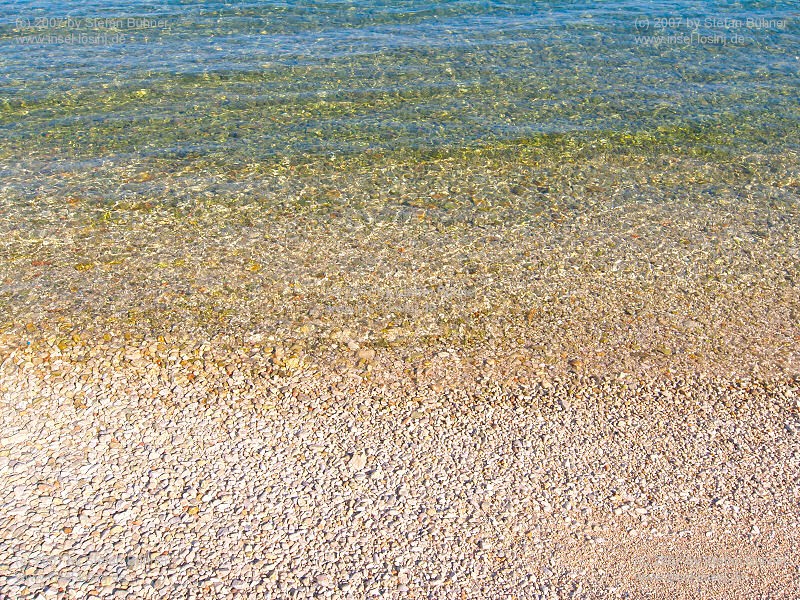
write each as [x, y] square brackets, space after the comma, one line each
[243, 82]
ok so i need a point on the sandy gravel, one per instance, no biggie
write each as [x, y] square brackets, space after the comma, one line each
[139, 480]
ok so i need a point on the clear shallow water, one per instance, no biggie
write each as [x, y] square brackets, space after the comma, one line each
[243, 82]
[448, 170]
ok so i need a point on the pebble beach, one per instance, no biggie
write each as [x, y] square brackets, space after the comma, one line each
[463, 300]
[139, 481]
[398, 427]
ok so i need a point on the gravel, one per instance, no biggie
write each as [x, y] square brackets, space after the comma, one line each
[570, 486]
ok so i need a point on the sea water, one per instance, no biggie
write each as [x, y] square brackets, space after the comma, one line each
[242, 82]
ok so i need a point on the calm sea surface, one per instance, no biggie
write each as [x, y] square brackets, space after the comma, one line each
[117, 82]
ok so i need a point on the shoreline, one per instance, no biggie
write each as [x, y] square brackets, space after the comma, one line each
[684, 266]
[418, 384]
